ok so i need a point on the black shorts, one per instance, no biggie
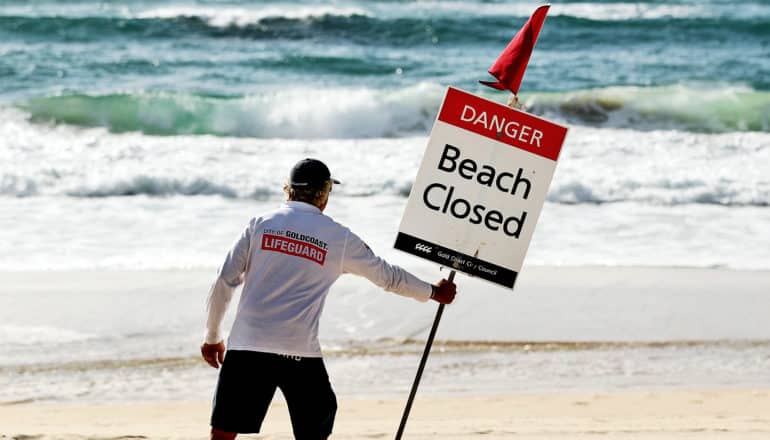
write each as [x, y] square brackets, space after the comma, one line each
[247, 382]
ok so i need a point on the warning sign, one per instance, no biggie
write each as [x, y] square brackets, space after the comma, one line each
[480, 188]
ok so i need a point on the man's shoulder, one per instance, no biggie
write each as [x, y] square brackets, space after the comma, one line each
[335, 224]
[280, 210]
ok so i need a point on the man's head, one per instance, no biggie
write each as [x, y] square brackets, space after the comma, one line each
[310, 181]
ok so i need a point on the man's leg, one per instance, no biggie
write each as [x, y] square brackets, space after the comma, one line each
[245, 388]
[310, 398]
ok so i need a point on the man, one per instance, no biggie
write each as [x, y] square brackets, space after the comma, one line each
[288, 259]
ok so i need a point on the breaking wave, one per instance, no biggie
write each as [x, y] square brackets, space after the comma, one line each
[662, 192]
[570, 192]
[154, 186]
[335, 113]
[396, 25]
[349, 113]
[699, 108]
[239, 16]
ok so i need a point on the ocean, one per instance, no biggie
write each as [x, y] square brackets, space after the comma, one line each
[138, 137]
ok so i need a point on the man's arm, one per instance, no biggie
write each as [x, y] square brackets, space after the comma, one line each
[359, 259]
[229, 277]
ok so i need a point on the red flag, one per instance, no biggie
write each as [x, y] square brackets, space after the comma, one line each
[511, 64]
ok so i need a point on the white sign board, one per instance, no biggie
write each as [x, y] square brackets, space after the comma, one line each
[480, 188]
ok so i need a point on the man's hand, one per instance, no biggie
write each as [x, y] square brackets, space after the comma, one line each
[444, 292]
[213, 354]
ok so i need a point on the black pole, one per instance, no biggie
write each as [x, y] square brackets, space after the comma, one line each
[420, 369]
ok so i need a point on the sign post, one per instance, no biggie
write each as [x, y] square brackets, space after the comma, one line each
[478, 193]
[421, 368]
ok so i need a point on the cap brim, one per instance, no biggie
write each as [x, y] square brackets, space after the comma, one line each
[336, 182]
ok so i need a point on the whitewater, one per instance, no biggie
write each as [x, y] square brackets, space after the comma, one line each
[639, 191]
[141, 135]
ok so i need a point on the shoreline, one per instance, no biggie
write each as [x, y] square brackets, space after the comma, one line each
[658, 414]
[134, 336]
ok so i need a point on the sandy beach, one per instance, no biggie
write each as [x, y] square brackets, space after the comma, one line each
[692, 414]
[619, 390]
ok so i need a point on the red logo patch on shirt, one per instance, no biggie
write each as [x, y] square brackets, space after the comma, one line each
[295, 248]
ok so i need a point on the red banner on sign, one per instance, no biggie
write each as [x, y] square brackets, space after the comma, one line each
[503, 124]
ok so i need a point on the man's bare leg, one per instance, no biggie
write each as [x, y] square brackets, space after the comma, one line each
[216, 434]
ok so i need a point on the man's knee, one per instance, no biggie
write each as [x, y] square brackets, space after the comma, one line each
[216, 434]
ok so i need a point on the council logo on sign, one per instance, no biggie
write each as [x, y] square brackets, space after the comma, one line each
[423, 248]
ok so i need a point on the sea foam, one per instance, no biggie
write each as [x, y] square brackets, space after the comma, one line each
[597, 166]
[225, 16]
[35, 335]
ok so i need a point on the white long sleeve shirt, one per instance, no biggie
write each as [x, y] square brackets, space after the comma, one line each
[288, 260]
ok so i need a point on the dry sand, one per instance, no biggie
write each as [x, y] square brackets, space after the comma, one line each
[661, 414]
